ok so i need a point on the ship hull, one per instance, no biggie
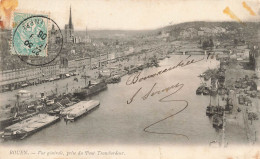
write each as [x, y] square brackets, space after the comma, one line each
[90, 91]
[21, 133]
[81, 115]
[38, 129]
[80, 109]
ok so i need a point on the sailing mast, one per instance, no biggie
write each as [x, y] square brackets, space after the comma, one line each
[210, 99]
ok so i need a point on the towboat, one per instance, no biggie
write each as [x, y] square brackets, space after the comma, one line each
[29, 126]
[217, 121]
[80, 109]
[93, 88]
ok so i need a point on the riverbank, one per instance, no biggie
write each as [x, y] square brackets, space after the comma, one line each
[234, 74]
[124, 123]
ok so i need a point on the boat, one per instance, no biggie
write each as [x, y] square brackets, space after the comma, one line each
[54, 112]
[229, 105]
[65, 111]
[210, 109]
[214, 87]
[206, 77]
[6, 122]
[93, 88]
[219, 110]
[222, 91]
[114, 79]
[202, 75]
[80, 109]
[29, 126]
[161, 58]
[217, 121]
[12, 120]
[200, 89]
[213, 91]
[206, 91]
[221, 79]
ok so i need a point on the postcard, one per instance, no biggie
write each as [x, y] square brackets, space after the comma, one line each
[155, 79]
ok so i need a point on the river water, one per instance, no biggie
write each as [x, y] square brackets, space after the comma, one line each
[116, 122]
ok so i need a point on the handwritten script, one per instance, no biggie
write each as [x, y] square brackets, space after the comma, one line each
[174, 88]
[136, 77]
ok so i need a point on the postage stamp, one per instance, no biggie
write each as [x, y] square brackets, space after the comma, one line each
[36, 38]
[29, 34]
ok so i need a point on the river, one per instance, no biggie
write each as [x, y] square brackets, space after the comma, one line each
[116, 122]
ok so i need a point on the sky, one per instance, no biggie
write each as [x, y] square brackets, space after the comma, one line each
[138, 14]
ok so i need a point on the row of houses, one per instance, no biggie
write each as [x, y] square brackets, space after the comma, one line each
[17, 78]
[13, 79]
[204, 31]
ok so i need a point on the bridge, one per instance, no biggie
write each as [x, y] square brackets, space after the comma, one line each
[197, 51]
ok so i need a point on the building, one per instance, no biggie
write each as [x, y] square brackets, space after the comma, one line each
[52, 36]
[200, 32]
[77, 40]
[69, 30]
[257, 70]
[257, 63]
[17, 78]
[87, 38]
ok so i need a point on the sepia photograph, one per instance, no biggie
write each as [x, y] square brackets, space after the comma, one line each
[129, 79]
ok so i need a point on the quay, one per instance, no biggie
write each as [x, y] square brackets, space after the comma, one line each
[241, 93]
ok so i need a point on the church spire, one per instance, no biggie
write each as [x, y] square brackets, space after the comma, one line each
[70, 21]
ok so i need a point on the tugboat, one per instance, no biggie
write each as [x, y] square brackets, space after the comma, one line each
[91, 89]
[217, 121]
[80, 109]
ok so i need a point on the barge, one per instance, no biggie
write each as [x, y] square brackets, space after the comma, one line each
[12, 120]
[29, 126]
[79, 109]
